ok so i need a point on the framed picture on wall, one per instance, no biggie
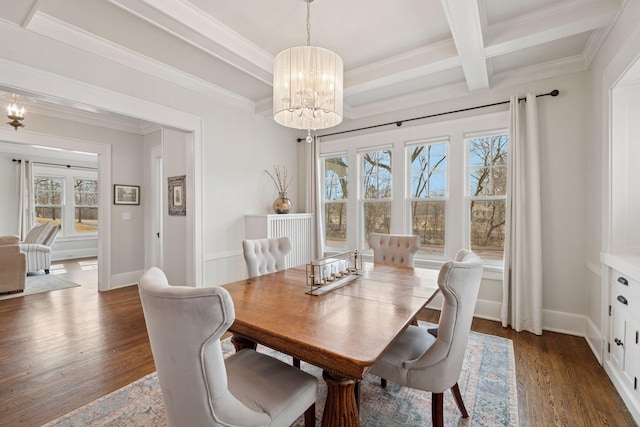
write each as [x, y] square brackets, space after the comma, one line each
[126, 194]
[177, 195]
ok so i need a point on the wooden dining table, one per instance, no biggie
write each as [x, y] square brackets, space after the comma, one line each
[344, 331]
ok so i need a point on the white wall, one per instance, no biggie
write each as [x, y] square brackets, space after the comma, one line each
[619, 50]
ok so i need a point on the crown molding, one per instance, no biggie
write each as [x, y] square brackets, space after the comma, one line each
[51, 27]
[560, 67]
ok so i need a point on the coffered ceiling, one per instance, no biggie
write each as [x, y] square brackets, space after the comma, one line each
[395, 53]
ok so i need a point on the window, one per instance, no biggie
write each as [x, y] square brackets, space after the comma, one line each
[49, 197]
[487, 194]
[428, 195]
[335, 201]
[86, 205]
[376, 193]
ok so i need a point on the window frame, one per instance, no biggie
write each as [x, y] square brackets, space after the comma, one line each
[325, 201]
[362, 201]
[75, 206]
[36, 205]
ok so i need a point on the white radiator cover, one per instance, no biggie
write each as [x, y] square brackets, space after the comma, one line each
[297, 227]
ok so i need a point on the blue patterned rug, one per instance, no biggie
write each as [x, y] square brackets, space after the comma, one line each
[487, 384]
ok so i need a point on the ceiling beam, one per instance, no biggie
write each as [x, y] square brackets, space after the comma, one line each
[466, 29]
[550, 24]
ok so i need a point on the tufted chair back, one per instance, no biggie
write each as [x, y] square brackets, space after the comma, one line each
[394, 249]
[265, 256]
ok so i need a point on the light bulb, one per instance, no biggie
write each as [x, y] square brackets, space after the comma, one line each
[309, 137]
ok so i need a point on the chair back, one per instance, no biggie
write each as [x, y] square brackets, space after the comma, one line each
[43, 233]
[459, 282]
[184, 326]
[265, 256]
[394, 249]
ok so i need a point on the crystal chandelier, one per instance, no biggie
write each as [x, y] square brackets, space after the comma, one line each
[15, 113]
[307, 86]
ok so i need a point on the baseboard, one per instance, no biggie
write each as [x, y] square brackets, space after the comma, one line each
[74, 254]
[126, 279]
[594, 339]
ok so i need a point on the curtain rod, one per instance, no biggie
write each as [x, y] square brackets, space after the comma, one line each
[55, 164]
[399, 123]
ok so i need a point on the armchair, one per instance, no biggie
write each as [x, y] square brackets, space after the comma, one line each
[12, 265]
[37, 246]
[199, 386]
[421, 361]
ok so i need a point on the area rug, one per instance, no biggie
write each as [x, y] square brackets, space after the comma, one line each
[41, 283]
[487, 384]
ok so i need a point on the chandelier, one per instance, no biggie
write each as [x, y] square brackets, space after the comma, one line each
[15, 113]
[307, 86]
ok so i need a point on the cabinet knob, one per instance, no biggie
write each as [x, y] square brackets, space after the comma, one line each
[618, 342]
[623, 281]
[622, 299]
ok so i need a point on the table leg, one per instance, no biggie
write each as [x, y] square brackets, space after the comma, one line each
[241, 342]
[341, 409]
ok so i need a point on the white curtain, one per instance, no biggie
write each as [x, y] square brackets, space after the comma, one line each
[25, 198]
[313, 201]
[522, 286]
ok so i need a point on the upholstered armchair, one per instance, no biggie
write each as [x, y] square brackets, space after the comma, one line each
[37, 246]
[421, 361]
[394, 249]
[265, 255]
[13, 266]
[199, 386]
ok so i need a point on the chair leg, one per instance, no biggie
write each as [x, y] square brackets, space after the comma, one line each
[310, 416]
[437, 409]
[296, 362]
[456, 394]
[46, 271]
[383, 383]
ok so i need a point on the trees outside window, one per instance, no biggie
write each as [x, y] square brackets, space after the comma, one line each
[427, 176]
[488, 194]
[49, 198]
[335, 201]
[376, 192]
[86, 205]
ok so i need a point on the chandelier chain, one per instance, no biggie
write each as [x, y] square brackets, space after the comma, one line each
[308, 23]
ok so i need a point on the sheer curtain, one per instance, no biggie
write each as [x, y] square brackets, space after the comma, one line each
[522, 285]
[313, 202]
[25, 198]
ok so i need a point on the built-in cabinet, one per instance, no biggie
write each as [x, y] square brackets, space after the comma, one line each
[297, 227]
[622, 360]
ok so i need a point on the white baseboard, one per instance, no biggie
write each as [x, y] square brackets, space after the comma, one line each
[595, 340]
[74, 254]
[126, 279]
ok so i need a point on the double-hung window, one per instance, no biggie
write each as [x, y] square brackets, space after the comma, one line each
[376, 193]
[86, 205]
[427, 198]
[487, 194]
[335, 195]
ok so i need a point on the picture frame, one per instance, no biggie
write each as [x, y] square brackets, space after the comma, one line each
[126, 194]
[177, 195]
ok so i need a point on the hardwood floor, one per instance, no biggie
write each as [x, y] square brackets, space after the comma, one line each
[63, 349]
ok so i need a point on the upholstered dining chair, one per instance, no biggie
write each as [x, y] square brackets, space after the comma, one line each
[394, 249]
[265, 256]
[421, 361]
[199, 386]
[37, 246]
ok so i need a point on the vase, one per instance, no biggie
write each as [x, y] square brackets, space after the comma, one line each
[282, 205]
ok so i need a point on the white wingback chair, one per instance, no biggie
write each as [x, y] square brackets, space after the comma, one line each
[37, 246]
[421, 361]
[265, 255]
[394, 249]
[200, 387]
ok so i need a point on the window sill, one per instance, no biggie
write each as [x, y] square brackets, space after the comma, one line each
[77, 237]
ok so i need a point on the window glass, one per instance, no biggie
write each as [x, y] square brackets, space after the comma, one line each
[86, 205]
[48, 197]
[428, 178]
[377, 193]
[335, 201]
[488, 189]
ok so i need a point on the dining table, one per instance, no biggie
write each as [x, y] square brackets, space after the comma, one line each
[345, 331]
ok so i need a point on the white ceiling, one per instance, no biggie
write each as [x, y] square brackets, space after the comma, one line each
[392, 50]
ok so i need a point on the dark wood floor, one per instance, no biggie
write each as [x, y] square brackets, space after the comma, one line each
[63, 349]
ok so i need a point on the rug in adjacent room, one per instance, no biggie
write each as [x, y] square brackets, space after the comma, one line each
[41, 283]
